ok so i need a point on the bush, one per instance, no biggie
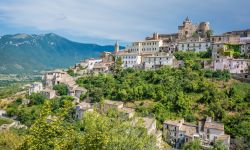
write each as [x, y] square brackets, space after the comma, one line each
[62, 89]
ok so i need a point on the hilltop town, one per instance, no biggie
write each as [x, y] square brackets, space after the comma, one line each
[229, 52]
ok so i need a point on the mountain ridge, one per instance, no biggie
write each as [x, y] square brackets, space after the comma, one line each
[26, 53]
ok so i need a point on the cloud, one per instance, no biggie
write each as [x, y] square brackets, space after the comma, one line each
[125, 20]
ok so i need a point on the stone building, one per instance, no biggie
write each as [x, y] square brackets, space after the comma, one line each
[48, 93]
[82, 108]
[236, 66]
[52, 78]
[166, 38]
[35, 87]
[188, 29]
[108, 104]
[178, 132]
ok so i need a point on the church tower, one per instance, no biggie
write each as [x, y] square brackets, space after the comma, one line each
[117, 47]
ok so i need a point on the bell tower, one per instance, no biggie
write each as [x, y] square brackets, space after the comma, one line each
[117, 47]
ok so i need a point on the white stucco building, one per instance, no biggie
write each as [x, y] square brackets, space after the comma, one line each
[158, 60]
[129, 60]
[145, 46]
[196, 46]
[89, 64]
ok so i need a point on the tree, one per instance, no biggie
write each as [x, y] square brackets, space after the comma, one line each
[52, 133]
[209, 33]
[9, 140]
[103, 132]
[62, 89]
[71, 72]
[218, 146]
[193, 145]
[117, 67]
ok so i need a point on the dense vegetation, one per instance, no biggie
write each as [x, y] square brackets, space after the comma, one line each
[61, 89]
[187, 92]
[55, 127]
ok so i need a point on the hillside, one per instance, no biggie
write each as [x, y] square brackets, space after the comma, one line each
[22, 53]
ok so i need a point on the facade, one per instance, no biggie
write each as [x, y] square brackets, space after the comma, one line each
[35, 87]
[167, 38]
[146, 46]
[245, 49]
[169, 48]
[129, 60]
[102, 67]
[236, 66]
[196, 46]
[127, 112]
[82, 108]
[50, 79]
[89, 64]
[178, 132]
[217, 49]
[158, 60]
[49, 93]
[108, 104]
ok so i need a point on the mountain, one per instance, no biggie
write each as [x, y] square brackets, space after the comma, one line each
[23, 53]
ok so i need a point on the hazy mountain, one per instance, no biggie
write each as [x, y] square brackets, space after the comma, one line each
[27, 53]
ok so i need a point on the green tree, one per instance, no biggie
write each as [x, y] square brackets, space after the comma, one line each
[193, 145]
[62, 89]
[9, 140]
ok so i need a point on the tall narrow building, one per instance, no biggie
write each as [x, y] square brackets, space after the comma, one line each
[117, 47]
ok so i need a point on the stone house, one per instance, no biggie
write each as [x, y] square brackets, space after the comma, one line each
[82, 108]
[236, 66]
[108, 104]
[48, 93]
[178, 132]
[35, 87]
[127, 112]
[102, 67]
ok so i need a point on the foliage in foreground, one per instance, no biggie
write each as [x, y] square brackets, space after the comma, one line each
[178, 93]
[54, 130]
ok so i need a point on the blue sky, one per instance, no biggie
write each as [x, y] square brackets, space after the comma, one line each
[105, 21]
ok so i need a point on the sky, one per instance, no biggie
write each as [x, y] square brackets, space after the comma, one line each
[106, 21]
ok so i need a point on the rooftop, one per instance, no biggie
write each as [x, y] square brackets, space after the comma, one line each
[127, 110]
[113, 102]
[214, 125]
